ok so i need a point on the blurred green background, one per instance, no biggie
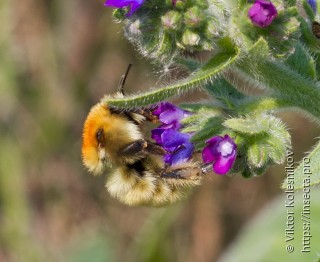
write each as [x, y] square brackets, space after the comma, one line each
[57, 59]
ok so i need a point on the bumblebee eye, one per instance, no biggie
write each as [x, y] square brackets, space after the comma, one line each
[100, 137]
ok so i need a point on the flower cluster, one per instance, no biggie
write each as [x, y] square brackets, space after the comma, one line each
[177, 144]
[164, 29]
[220, 151]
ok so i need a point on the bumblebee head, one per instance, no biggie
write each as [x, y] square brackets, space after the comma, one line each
[94, 154]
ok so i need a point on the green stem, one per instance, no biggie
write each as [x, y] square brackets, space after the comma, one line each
[223, 59]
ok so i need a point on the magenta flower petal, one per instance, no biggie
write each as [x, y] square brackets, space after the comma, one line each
[182, 154]
[169, 113]
[208, 156]
[170, 116]
[117, 3]
[167, 135]
[172, 138]
[132, 4]
[262, 13]
[222, 152]
[224, 164]
[157, 132]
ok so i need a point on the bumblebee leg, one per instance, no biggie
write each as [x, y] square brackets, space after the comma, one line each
[183, 171]
[142, 146]
[182, 175]
[155, 149]
[135, 148]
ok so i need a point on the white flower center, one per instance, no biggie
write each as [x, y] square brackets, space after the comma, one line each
[225, 148]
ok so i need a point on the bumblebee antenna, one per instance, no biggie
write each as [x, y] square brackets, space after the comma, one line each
[123, 79]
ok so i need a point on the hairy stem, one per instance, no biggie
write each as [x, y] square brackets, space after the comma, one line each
[227, 56]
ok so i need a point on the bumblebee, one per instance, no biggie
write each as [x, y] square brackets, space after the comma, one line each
[113, 138]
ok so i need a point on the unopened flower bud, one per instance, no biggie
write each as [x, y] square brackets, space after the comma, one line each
[206, 45]
[193, 17]
[179, 4]
[203, 4]
[119, 14]
[190, 38]
[134, 28]
[211, 31]
[262, 13]
[171, 20]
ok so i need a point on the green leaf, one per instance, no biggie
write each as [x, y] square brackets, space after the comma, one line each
[309, 164]
[308, 37]
[224, 58]
[210, 128]
[210, 108]
[189, 63]
[302, 62]
[225, 92]
[258, 154]
[249, 125]
[279, 140]
[291, 2]
[307, 8]
[267, 233]
[268, 138]
[277, 148]
[195, 123]
[262, 104]
[199, 120]
[301, 92]
[250, 171]
[259, 49]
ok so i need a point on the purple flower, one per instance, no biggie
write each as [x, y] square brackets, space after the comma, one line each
[167, 135]
[156, 134]
[178, 145]
[222, 152]
[169, 113]
[132, 4]
[313, 5]
[262, 13]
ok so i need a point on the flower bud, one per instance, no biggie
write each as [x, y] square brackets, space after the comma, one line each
[179, 4]
[190, 38]
[203, 4]
[171, 20]
[134, 28]
[119, 14]
[262, 13]
[211, 30]
[193, 17]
